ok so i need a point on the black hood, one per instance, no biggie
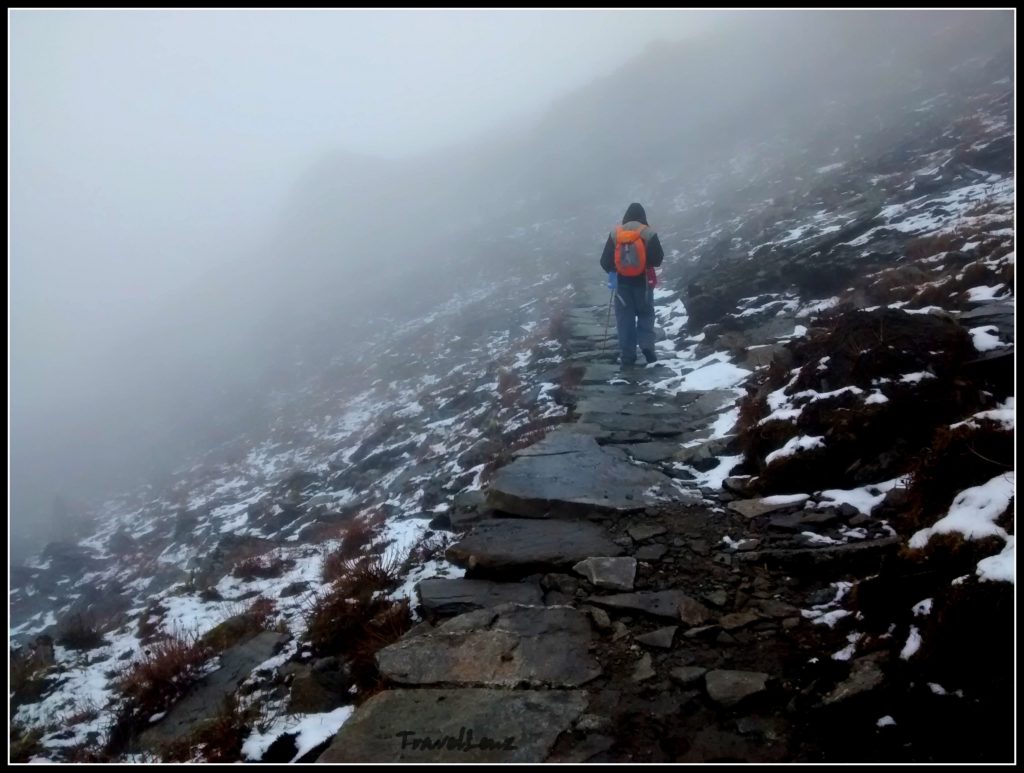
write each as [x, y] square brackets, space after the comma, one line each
[635, 212]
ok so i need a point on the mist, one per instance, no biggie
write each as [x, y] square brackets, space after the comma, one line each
[206, 206]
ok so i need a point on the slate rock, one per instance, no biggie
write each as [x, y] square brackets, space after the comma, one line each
[574, 482]
[751, 508]
[508, 646]
[728, 688]
[685, 676]
[456, 726]
[441, 596]
[661, 638]
[523, 546]
[669, 604]
[609, 573]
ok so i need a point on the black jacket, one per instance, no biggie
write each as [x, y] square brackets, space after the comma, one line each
[655, 253]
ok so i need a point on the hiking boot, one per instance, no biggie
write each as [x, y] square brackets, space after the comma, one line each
[650, 356]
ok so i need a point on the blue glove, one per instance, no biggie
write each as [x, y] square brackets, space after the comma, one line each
[613, 280]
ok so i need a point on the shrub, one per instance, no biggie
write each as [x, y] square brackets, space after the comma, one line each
[261, 567]
[24, 742]
[241, 626]
[218, 739]
[166, 670]
[358, 535]
[354, 620]
[80, 632]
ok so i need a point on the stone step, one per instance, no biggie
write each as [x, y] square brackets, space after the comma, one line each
[579, 478]
[444, 597]
[468, 725]
[510, 646]
[506, 547]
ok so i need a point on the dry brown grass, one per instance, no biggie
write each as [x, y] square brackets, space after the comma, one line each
[166, 670]
[508, 387]
[218, 739]
[353, 619]
[241, 626]
[357, 536]
[957, 459]
[926, 246]
[262, 567]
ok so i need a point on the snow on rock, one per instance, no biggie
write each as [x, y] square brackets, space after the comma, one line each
[923, 607]
[1000, 567]
[310, 730]
[986, 338]
[864, 498]
[796, 445]
[1005, 414]
[913, 644]
[974, 512]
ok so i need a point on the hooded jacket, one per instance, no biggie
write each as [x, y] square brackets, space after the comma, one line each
[633, 219]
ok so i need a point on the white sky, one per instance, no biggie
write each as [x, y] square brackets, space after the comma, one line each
[147, 145]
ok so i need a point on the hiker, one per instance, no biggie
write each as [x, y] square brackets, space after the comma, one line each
[630, 256]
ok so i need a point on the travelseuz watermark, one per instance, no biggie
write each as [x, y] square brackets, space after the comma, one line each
[464, 741]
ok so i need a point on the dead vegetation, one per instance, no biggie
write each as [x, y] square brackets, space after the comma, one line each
[263, 567]
[80, 632]
[237, 628]
[218, 739]
[354, 619]
[164, 672]
[863, 442]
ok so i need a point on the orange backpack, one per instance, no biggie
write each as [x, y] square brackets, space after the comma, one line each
[630, 252]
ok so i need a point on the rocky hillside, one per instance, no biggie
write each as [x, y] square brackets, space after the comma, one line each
[790, 540]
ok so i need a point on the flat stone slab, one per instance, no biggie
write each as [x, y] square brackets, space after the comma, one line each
[643, 531]
[601, 373]
[562, 440]
[206, 699]
[865, 675]
[510, 646]
[661, 638]
[445, 597]
[468, 725]
[575, 481]
[751, 508]
[656, 426]
[636, 405]
[505, 546]
[704, 450]
[700, 405]
[730, 687]
[610, 573]
[670, 604]
[652, 452]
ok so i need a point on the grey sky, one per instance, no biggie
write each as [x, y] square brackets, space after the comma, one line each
[150, 149]
[147, 144]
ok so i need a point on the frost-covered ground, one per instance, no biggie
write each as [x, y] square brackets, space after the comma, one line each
[438, 404]
[415, 422]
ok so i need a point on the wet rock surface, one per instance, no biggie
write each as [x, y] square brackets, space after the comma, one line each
[469, 725]
[520, 546]
[511, 646]
[444, 597]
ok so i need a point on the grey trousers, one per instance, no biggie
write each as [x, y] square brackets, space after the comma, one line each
[634, 319]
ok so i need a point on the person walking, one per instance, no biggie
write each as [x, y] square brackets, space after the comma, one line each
[631, 253]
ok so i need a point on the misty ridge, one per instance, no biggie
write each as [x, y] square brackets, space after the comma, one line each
[362, 241]
[327, 446]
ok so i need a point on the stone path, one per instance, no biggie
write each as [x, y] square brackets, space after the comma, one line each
[600, 618]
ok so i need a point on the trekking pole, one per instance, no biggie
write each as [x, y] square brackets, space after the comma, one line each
[608, 317]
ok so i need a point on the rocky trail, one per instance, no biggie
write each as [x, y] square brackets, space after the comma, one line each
[602, 617]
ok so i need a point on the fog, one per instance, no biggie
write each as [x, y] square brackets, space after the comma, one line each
[194, 193]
